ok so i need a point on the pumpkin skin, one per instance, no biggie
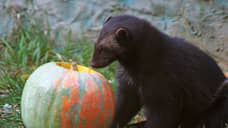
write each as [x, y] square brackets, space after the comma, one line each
[55, 96]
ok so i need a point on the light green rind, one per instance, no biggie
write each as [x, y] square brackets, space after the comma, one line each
[39, 87]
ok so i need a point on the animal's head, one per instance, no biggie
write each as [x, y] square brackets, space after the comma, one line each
[116, 40]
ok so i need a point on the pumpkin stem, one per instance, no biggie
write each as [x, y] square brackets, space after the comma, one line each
[74, 66]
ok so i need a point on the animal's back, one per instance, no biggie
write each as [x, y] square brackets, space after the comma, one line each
[198, 74]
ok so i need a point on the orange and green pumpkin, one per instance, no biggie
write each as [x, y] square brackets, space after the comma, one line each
[55, 96]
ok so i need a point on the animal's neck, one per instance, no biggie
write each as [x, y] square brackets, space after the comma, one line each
[142, 67]
[147, 57]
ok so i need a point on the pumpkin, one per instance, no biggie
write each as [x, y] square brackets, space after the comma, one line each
[57, 96]
[226, 74]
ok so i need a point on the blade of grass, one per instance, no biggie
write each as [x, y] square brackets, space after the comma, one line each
[7, 44]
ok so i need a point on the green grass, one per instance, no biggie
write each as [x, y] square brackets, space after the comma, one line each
[26, 49]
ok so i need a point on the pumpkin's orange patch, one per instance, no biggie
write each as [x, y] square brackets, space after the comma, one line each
[57, 81]
[226, 74]
[69, 79]
[69, 82]
[90, 105]
[108, 103]
[65, 120]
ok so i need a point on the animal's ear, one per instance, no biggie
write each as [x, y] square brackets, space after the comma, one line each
[107, 19]
[121, 33]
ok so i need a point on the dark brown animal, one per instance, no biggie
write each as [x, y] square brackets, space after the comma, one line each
[175, 82]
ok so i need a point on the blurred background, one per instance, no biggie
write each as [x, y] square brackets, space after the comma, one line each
[33, 32]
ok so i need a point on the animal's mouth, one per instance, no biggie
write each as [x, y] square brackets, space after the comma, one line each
[98, 65]
[104, 63]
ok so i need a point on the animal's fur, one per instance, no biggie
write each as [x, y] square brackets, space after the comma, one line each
[173, 80]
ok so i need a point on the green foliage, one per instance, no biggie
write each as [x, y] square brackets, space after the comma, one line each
[26, 49]
[29, 1]
[21, 54]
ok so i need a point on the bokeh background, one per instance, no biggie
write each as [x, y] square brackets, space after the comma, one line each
[203, 22]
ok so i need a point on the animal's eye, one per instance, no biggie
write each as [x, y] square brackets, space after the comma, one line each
[100, 49]
[104, 50]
